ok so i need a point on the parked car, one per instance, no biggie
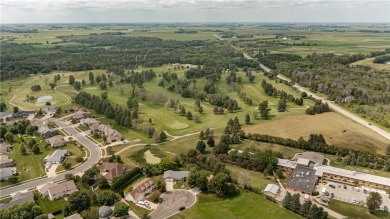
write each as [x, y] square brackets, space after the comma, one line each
[365, 192]
[332, 186]
[338, 186]
[182, 208]
[332, 195]
[357, 190]
[327, 193]
[345, 187]
[160, 200]
[385, 208]
[353, 200]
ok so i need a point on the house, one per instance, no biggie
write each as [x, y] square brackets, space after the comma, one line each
[88, 121]
[74, 216]
[17, 199]
[171, 176]
[6, 172]
[56, 141]
[5, 115]
[111, 134]
[73, 109]
[140, 190]
[57, 157]
[111, 170]
[45, 131]
[5, 161]
[55, 191]
[37, 122]
[24, 113]
[48, 109]
[81, 115]
[4, 148]
[272, 190]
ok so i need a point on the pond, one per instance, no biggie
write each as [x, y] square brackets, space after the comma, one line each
[43, 99]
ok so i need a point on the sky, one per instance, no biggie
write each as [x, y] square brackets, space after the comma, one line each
[133, 11]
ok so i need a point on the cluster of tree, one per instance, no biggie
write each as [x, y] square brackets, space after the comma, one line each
[122, 116]
[366, 160]
[138, 78]
[270, 90]
[231, 135]
[318, 108]
[120, 181]
[36, 87]
[381, 59]
[270, 60]
[307, 210]
[208, 72]
[232, 78]
[245, 98]
[249, 75]
[183, 31]
[223, 101]
[164, 165]
[26, 210]
[262, 161]
[21, 127]
[264, 110]
[186, 88]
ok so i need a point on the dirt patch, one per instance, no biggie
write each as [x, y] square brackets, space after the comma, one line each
[331, 125]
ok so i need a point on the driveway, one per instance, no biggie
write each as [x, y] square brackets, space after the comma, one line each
[171, 203]
[169, 186]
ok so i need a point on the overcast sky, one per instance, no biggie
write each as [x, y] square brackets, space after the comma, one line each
[96, 11]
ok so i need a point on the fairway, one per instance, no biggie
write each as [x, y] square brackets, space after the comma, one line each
[244, 205]
[178, 125]
[331, 125]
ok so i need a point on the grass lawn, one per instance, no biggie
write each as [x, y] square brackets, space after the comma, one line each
[139, 211]
[47, 205]
[355, 211]
[244, 205]
[83, 127]
[5, 200]
[253, 178]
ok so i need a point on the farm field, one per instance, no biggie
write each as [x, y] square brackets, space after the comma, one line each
[356, 136]
[244, 205]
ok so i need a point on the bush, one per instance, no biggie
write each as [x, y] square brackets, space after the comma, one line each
[153, 197]
[79, 159]
[118, 182]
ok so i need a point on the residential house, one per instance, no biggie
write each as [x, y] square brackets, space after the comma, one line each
[5, 161]
[111, 170]
[45, 131]
[56, 191]
[88, 121]
[56, 141]
[17, 199]
[4, 148]
[6, 172]
[140, 190]
[48, 109]
[57, 157]
[5, 115]
[37, 122]
[272, 190]
[81, 115]
[24, 113]
[111, 134]
[171, 176]
[74, 216]
[74, 109]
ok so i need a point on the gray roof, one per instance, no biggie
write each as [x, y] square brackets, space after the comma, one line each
[105, 212]
[303, 179]
[18, 198]
[43, 128]
[5, 159]
[5, 114]
[74, 216]
[177, 175]
[272, 188]
[313, 157]
[7, 172]
[57, 156]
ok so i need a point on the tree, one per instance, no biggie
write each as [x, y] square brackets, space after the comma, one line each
[25, 210]
[305, 207]
[282, 104]
[69, 176]
[264, 110]
[103, 85]
[303, 94]
[91, 213]
[13, 179]
[9, 137]
[201, 146]
[83, 82]
[163, 136]
[3, 107]
[15, 109]
[201, 135]
[107, 198]
[52, 85]
[374, 201]
[35, 149]
[89, 176]
[110, 83]
[287, 201]
[211, 142]
[221, 148]
[72, 79]
[23, 150]
[295, 203]
[79, 201]
[104, 95]
[221, 184]
[66, 165]
[247, 119]
[103, 183]
[198, 179]
[121, 210]
[91, 78]
[189, 115]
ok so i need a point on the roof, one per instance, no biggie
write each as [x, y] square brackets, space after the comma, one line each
[303, 179]
[112, 170]
[272, 188]
[18, 198]
[303, 161]
[49, 109]
[105, 212]
[74, 216]
[5, 114]
[7, 172]
[43, 128]
[57, 156]
[68, 187]
[177, 175]
[23, 113]
[89, 121]
[5, 159]
[108, 131]
[353, 174]
[140, 187]
[55, 140]
[81, 114]
[313, 157]
[5, 147]
[286, 163]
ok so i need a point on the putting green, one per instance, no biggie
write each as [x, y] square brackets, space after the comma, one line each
[150, 158]
[179, 125]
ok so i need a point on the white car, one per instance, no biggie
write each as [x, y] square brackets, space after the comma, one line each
[353, 200]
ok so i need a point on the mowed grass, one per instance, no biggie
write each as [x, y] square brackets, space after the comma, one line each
[244, 205]
[150, 158]
[331, 125]
[369, 62]
[254, 179]
[355, 211]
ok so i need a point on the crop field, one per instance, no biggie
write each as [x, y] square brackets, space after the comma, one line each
[355, 136]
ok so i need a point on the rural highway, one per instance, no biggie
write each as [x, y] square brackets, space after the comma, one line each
[331, 104]
[95, 155]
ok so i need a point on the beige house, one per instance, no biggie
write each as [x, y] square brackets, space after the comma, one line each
[81, 115]
[111, 134]
[56, 141]
[56, 191]
[5, 161]
[140, 190]
[48, 109]
[111, 170]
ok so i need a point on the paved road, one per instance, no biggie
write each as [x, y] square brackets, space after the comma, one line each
[172, 201]
[95, 155]
[331, 104]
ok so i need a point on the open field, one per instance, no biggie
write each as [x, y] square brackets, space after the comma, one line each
[333, 124]
[150, 158]
[254, 179]
[244, 205]
[369, 62]
[355, 211]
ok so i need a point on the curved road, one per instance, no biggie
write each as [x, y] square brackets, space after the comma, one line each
[171, 203]
[95, 155]
[331, 104]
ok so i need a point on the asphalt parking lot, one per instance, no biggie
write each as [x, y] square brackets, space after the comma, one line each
[346, 195]
[171, 203]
